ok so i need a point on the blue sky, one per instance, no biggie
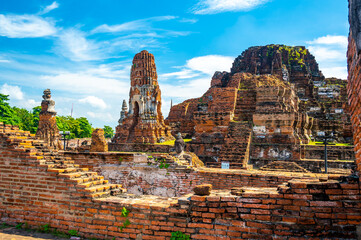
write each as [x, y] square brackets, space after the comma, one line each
[82, 50]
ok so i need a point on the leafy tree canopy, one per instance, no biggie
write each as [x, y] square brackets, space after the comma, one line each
[108, 132]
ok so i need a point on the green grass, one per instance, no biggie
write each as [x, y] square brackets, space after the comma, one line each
[336, 144]
[4, 225]
[171, 142]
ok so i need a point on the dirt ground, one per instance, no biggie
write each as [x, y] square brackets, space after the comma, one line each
[11, 233]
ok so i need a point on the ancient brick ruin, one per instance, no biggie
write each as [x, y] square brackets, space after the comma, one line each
[273, 102]
[244, 114]
[354, 75]
[144, 122]
[47, 129]
[98, 143]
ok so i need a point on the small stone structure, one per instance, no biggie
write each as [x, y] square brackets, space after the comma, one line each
[203, 189]
[144, 122]
[47, 129]
[99, 144]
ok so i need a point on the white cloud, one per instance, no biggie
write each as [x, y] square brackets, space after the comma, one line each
[103, 80]
[74, 45]
[4, 61]
[188, 20]
[28, 104]
[330, 53]
[14, 92]
[191, 89]
[17, 97]
[183, 74]
[202, 65]
[342, 41]
[327, 54]
[49, 8]
[137, 25]
[94, 102]
[106, 117]
[25, 26]
[218, 6]
[210, 63]
[195, 78]
[338, 72]
[131, 36]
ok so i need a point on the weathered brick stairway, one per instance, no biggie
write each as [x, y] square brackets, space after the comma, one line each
[86, 183]
[236, 147]
[237, 141]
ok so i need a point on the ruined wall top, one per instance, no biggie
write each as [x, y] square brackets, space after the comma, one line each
[355, 21]
[275, 59]
[143, 70]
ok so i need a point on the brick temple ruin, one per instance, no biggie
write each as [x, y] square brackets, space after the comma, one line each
[272, 102]
[144, 122]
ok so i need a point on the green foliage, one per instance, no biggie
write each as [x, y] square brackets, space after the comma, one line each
[19, 226]
[161, 161]
[108, 132]
[26, 120]
[125, 224]
[78, 127]
[73, 233]
[179, 236]
[44, 228]
[4, 225]
[7, 115]
[125, 212]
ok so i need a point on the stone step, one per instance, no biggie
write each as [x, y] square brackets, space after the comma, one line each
[76, 175]
[86, 179]
[67, 170]
[93, 183]
[99, 188]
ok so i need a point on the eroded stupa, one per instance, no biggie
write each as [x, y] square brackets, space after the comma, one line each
[144, 122]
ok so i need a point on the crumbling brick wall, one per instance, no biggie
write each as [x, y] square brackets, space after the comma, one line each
[301, 209]
[354, 75]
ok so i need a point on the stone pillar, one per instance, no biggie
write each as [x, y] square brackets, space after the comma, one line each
[47, 129]
[99, 144]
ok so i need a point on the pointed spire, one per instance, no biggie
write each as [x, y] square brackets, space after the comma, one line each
[171, 103]
[124, 106]
[123, 112]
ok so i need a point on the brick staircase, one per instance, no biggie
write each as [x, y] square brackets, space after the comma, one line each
[86, 183]
[236, 147]
[238, 139]
[246, 102]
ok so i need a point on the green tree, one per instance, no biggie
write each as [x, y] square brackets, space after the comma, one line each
[108, 132]
[79, 127]
[24, 119]
[6, 112]
[36, 112]
[85, 128]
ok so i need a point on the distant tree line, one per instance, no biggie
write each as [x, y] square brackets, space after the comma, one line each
[29, 120]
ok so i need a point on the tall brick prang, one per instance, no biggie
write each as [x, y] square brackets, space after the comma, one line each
[144, 122]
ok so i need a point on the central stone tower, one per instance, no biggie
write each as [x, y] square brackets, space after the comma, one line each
[144, 122]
